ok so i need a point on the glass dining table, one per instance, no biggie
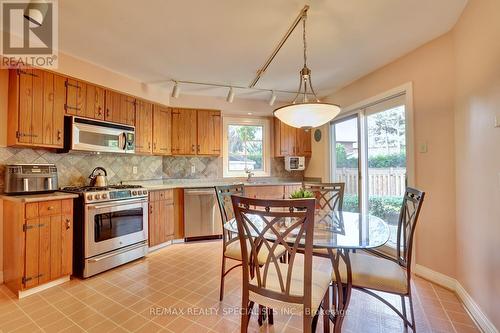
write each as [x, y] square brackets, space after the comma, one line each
[337, 233]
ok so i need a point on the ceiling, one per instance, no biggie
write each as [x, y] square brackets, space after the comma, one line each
[227, 41]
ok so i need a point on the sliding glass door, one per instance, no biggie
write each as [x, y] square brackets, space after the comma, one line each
[370, 157]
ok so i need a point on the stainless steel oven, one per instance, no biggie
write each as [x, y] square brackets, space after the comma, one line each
[113, 225]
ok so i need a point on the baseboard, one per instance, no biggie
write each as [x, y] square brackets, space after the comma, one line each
[25, 293]
[450, 283]
[159, 246]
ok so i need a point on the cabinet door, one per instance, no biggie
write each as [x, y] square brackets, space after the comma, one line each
[32, 250]
[143, 127]
[184, 132]
[113, 106]
[55, 246]
[66, 251]
[59, 101]
[169, 220]
[25, 105]
[127, 110]
[152, 223]
[76, 97]
[162, 130]
[303, 142]
[208, 134]
[44, 259]
[95, 102]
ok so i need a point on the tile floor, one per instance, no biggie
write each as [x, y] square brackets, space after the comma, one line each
[176, 290]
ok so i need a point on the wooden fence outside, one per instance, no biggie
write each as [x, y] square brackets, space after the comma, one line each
[381, 182]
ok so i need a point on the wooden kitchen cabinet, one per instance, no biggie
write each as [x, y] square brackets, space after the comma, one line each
[162, 130]
[35, 108]
[143, 127]
[184, 131]
[127, 110]
[119, 108]
[94, 102]
[38, 242]
[76, 98]
[291, 141]
[209, 132]
[265, 192]
[161, 217]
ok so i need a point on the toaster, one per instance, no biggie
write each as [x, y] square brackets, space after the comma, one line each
[30, 178]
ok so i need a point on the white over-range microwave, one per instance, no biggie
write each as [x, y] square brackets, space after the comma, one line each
[98, 136]
[294, 163]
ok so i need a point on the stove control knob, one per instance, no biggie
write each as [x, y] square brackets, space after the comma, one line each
[89, 197]
[134, 192]
[144, 192]
[97, 196]
[104, 195]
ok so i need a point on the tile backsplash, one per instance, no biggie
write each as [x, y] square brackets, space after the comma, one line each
[75, 167]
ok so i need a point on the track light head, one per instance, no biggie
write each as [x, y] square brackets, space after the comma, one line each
[230, 95]
[176, 90]
[272, 100]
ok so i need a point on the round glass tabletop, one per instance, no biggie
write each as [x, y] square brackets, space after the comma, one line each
[333, 229]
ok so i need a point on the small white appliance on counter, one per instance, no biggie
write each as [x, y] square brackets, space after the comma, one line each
[295, 163]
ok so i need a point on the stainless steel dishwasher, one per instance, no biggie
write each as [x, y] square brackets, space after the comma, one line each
[202, 218]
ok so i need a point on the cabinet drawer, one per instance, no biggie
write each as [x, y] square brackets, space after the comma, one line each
[49, 208]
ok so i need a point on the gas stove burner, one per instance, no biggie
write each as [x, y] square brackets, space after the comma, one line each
[98, 188]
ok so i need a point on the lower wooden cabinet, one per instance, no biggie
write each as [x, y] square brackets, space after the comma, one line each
[161, 217]
[265, 192]
[38, 242]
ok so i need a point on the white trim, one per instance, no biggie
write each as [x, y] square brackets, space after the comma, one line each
[160, 246]
[266, 141]
[470, 305]
[31, 291]
[178, 241]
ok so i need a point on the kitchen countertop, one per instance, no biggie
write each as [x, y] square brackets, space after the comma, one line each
[39, 197]
[165, 185]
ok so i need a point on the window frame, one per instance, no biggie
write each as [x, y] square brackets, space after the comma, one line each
[266, 145]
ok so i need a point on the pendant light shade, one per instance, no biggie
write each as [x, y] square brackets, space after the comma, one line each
[307, 115]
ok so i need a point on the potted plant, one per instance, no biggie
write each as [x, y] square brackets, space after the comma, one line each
[301, 194]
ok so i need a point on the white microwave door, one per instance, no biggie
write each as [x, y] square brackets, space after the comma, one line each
[97, 138]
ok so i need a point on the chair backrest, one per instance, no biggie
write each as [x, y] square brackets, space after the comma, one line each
[328, 195]
[408, 217]
[224, 194]
[267, 228]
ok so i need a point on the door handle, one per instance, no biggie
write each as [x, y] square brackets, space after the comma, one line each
[68, 224]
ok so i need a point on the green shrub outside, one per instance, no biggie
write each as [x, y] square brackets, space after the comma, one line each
[385, 207]
[397, 160]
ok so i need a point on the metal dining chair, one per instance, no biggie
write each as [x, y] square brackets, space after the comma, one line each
[328, 195]
[230, 245]
[391, 275]
[286, 286]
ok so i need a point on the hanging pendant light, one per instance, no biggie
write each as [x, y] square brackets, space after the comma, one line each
[306, 114]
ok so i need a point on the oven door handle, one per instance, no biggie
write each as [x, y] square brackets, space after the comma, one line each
[115, 205]
[118, 252]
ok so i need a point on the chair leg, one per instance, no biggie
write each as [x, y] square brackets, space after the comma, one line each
[326, 312]
[245, 316]
[403, 308]
[222, 276]
[315, 322]
[414, 328]
[270, 316]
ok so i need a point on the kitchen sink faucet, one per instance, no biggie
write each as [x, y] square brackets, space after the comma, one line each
[249, 174]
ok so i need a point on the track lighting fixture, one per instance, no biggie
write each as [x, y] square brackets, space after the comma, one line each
[230, 95]
[176, 90]
[272, 100]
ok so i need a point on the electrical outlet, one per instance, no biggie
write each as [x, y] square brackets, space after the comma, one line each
[134, 170]
[423, 148]
[193, 169]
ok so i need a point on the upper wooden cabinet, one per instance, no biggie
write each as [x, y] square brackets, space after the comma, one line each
[184, 132]
[162, 130]
[291, 141]
[209, 132]
[119, 108]
[84, 99]
[196, 132]
[143, 127]
[36, 108]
